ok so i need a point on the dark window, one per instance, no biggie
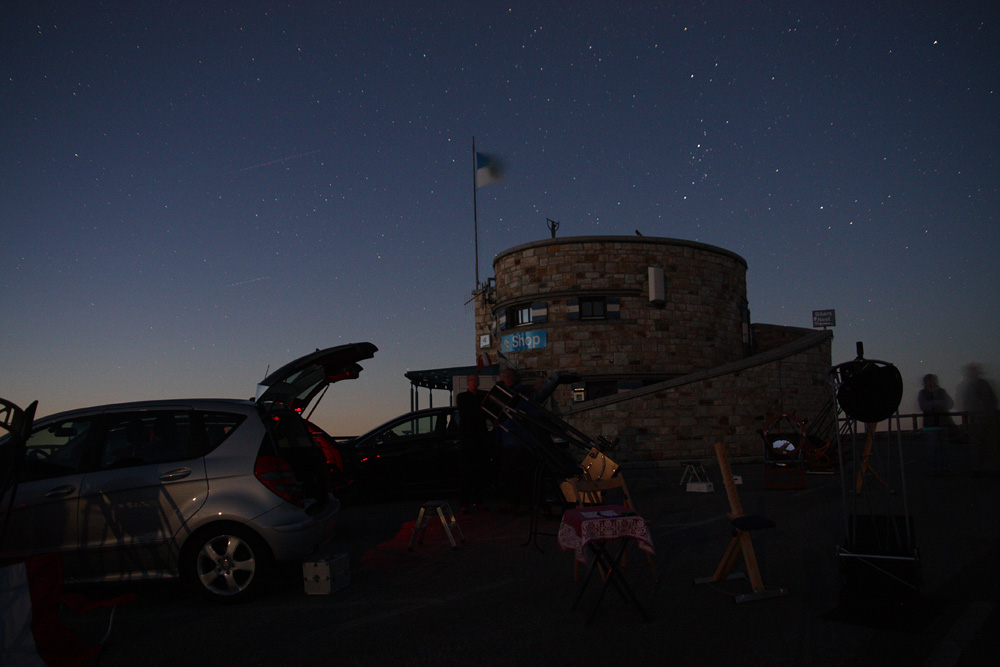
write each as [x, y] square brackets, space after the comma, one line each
[593, 308]
[146, 437]
[218, 426]
[416, 426]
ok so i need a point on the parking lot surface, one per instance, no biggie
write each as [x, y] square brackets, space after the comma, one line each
[498, 601]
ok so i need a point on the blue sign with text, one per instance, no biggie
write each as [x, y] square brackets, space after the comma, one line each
[523, 340]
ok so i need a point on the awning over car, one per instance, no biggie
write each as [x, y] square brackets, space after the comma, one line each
[441, 378]
[437, 378]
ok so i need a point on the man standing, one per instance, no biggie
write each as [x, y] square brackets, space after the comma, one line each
[474, 440]
[980, 401]
[935, 403]
[516, 462]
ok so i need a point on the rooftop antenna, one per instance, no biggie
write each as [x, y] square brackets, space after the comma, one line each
[552, 225]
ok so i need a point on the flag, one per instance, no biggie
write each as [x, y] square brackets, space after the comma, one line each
[482, 361]
[488, 170]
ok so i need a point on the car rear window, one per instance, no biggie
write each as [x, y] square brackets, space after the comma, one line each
[218, 426]
[288, 431]
[291, 439]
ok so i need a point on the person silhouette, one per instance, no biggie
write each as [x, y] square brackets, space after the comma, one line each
[935, 403]
[474, 440]
[980, 402]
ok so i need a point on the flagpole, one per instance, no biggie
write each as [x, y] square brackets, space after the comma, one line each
[475, 210]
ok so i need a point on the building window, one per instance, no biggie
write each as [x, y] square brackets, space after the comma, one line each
[593, 308]
[519, 316]
[524, 314]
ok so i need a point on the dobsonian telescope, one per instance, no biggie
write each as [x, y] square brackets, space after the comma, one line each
[548, 437]
[880, 561]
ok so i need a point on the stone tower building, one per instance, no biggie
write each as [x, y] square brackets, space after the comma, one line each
[659, 331]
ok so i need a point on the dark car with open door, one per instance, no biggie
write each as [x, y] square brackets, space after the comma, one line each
[418, 451]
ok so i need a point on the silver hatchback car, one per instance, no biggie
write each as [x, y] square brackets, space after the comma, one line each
[216, 491]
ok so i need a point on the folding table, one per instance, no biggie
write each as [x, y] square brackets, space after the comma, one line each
[593, 529]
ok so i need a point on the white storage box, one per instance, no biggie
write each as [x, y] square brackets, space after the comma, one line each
[700, 487]
[326, 575]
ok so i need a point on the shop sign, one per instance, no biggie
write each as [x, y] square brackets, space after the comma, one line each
[522, 340]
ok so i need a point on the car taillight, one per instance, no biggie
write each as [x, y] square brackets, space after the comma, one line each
[275, 473]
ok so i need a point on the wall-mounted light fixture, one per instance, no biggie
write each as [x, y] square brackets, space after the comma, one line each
[657, 287]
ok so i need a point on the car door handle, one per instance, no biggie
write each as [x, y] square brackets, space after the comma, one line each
[60, 491]
[177, 473]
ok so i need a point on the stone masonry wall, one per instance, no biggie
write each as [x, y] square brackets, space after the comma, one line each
[699, 326]
[691, 347]
[771, 336]
[682, 419]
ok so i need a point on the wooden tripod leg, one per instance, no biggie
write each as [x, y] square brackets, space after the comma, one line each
[728, 560]
[750, 558]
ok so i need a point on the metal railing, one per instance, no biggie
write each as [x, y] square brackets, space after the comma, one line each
[960, 419]
[912, 423]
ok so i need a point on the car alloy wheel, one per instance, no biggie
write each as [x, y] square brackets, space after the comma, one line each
[227, 562]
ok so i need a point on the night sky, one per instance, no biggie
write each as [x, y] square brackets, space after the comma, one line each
[193, 192]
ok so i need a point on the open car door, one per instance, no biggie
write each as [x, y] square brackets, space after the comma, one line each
[295, 384]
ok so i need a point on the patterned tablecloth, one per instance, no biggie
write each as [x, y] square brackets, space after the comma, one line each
[602, 522]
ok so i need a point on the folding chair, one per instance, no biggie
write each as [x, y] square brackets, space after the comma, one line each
[740, 543]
